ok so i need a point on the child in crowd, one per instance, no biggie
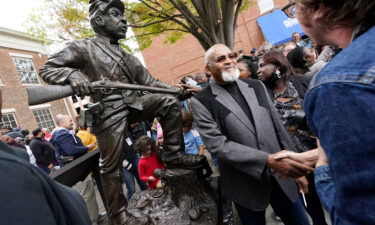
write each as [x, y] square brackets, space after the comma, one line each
[149, 161]
[193, 142]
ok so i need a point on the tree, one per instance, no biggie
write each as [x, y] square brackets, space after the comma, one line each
[60, 20]
[209, 21]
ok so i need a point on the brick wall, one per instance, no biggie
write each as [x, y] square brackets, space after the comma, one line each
[14, 92]
[170, 62]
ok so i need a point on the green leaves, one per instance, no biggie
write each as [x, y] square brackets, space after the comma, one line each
[68, 19]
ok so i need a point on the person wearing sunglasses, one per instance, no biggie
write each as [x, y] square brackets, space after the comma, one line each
[239, 125]
[340, 106]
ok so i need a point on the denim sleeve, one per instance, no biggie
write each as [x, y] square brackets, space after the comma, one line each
[325, 187]
[342, 116]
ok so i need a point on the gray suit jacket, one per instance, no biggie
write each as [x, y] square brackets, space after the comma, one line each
[241, 146]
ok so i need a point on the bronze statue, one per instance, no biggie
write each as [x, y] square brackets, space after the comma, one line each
[101, 58]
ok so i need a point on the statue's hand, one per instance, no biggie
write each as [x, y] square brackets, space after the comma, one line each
[80, 84]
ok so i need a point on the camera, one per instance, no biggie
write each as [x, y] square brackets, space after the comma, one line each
[189, 81]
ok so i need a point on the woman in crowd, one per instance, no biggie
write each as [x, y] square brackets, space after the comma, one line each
[305, 60]
[287, 92]
[247, 68]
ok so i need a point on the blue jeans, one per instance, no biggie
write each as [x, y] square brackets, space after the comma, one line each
[289, 212]
[129, 175]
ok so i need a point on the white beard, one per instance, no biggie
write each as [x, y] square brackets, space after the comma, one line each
[229, 77]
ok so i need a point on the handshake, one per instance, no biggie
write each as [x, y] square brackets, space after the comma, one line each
[295, 165]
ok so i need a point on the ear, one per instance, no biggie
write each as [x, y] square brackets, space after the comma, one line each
[208, 67]
[99, 20]
[319, 13]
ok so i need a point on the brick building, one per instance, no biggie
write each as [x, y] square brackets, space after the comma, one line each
[170, 62]
[20, 60]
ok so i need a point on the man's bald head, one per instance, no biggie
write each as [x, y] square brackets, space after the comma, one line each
[210, 52]
[221, 62]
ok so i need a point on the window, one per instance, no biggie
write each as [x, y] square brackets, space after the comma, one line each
[26, 71]
[44, 118]
[9, 119]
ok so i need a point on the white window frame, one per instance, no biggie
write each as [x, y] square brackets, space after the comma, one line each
[27, 57]
[42, 107]
[9, 111]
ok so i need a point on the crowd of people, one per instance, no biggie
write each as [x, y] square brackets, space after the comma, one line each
[72, 138]
[290, 126]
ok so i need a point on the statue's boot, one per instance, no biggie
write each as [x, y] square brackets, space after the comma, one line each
[187, 162]
[173, 141]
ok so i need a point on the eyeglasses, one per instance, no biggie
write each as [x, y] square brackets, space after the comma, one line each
[231, 56]
[290, 10]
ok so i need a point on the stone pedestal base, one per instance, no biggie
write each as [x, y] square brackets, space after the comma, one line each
[186, 199]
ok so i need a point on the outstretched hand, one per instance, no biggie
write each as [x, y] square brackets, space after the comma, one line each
[308, 158]
[322, 156]
[288, 167]
[80, 84]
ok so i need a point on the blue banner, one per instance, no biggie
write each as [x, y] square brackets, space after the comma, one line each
[278, 28]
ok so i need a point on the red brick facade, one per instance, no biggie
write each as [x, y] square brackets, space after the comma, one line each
[14, 92]
[170, 62]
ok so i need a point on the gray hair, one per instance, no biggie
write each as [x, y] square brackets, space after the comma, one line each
[60, 118]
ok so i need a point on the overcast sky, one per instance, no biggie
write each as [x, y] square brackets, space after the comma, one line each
[13, 13]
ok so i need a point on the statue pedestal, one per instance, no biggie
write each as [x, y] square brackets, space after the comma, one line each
[186, 199]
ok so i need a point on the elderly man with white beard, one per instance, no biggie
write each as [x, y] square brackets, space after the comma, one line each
[239, 125]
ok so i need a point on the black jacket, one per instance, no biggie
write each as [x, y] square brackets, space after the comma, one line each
[29, 196]
[44, 152]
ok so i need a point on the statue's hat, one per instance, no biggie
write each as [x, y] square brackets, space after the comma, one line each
[104, 5]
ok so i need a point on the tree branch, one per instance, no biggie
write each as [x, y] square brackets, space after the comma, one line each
[158, 32]
[191, 19]
[152, 23]
[149, 6]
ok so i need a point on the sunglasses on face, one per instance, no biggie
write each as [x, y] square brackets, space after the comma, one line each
[290, 10]
[231, 56]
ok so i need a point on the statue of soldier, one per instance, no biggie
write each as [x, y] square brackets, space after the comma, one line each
[84, 61]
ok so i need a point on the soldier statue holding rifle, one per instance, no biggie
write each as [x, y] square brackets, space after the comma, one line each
[82, 62]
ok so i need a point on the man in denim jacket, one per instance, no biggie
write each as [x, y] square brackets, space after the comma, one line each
[340, 106]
